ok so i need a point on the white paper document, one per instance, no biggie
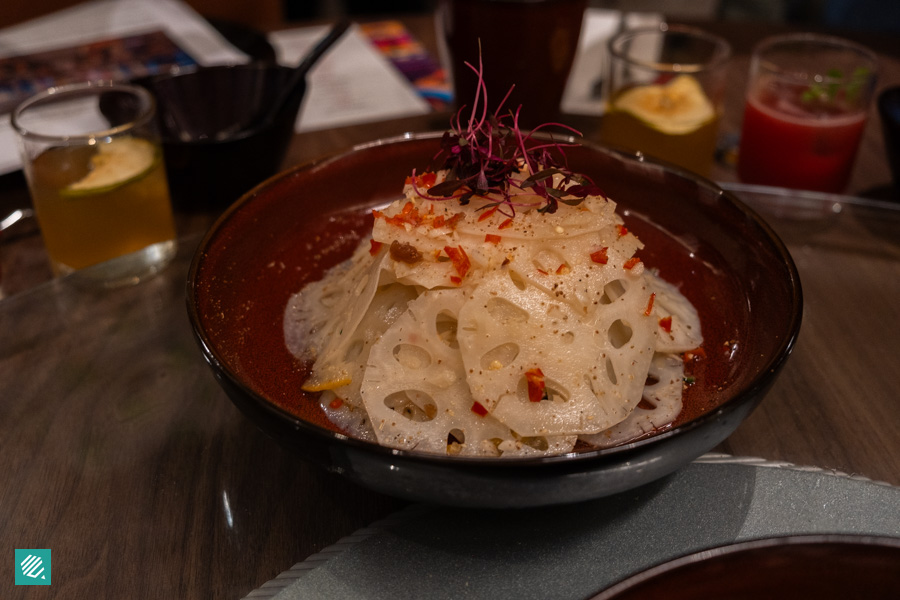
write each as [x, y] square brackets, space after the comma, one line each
[351, 84]
[583, 95]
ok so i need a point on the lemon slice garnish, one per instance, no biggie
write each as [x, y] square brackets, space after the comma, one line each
[116, 163]
[678, 107]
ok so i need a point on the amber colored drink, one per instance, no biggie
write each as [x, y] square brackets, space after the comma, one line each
[785, 143]
[692, 150]
[87, 228]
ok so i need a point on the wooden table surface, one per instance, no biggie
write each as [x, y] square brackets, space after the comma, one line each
[122, 454]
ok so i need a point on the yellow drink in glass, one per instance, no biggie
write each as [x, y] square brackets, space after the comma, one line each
[83, 228]
[673, 122]
[664, 94]
[94, 165]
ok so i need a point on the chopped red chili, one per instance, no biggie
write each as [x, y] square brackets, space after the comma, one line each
[491, 238]
[505, 224]
[600, 256]
[460, 259]
[698, 352]
[479, 409]
[622, 230]
[374, 247]
[631, 262]
[425, 180]
[487, 214]
[336, 403]
[536, 384]
[650, 305]
[666, 324]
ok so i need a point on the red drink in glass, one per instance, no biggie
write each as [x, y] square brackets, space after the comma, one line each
[785, 144]
[807, 102]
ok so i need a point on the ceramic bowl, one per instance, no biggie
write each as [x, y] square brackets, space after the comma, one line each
[215, 141]
[289, 230]
[824, 567]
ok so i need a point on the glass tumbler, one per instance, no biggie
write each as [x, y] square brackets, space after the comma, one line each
[93, 161]
[665, 94]
[808, 99]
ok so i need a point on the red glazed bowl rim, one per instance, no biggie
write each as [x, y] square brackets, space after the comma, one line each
[789, 549]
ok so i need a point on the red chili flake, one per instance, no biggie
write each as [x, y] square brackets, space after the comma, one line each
[425, 180]
[631, 262]
[542, 272]
[438, 222]
[622, 230]
[561, 269]
[336, 403]
[536, 384]
[487, 214]
[428, 179]
[460, 259]
[666, 324]
[650, 305]
[455, 280]
[491, 238]
[698, 352]
[600, 256]
[479, 409]
[374, 247]
[452, 221]
[408, 215]
[505, 224]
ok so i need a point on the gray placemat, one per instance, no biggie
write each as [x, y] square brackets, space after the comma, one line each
[575, 551]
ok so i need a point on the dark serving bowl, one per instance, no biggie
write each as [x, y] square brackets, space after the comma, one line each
[824, 567]
[289, 230]
[215, 141]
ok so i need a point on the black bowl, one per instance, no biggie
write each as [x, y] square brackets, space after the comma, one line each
[216, 143]
[287, 231]
[824, 567]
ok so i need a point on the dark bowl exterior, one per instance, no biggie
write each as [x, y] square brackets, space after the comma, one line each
[247, 266]
[824, 567]
[206, 173]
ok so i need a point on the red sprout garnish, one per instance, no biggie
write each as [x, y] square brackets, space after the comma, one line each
[482, 157]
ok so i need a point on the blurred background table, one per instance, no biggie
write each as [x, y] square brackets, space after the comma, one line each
[122, 454]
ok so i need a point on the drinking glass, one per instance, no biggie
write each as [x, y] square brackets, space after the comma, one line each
[93, 162]
[664, 94]
[524, 45]
[807, 102]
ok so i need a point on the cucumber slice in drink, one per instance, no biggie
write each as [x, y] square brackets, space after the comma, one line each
[116, 163]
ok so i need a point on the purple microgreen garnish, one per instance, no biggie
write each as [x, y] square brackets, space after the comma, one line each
[483, 158]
